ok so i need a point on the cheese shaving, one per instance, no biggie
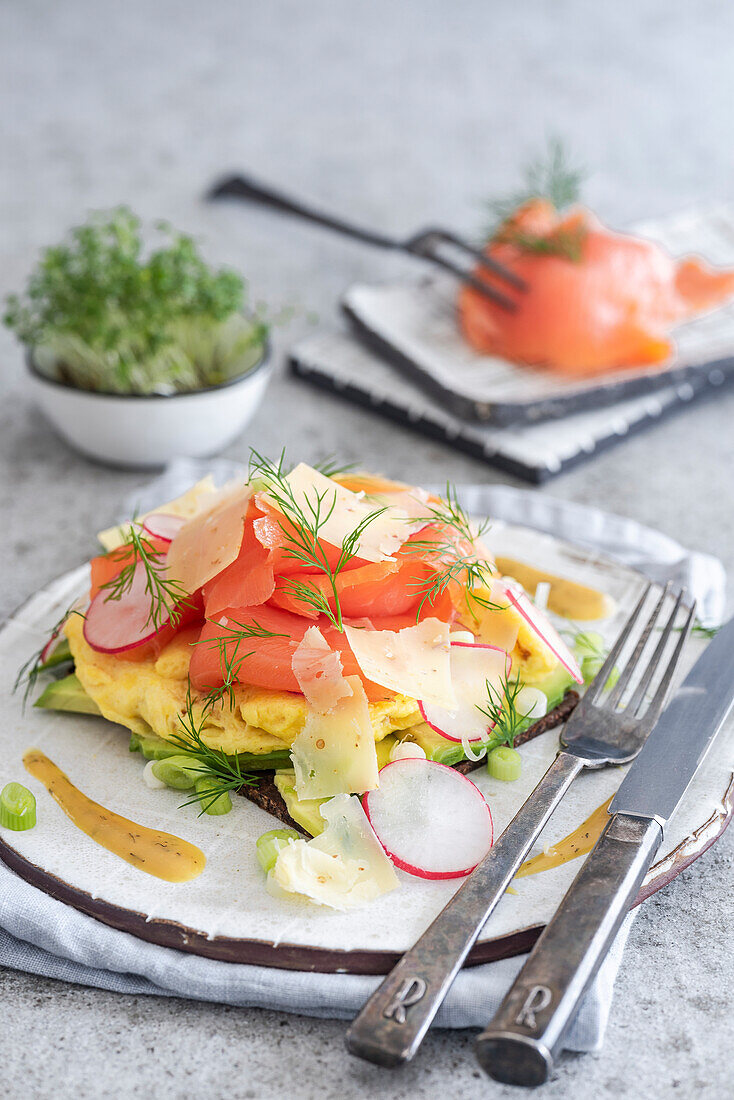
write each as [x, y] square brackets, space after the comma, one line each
[414, 502]
[191, 502]
[318, 670]
[335, 753]
[210, 541]
[414, 661]
[342, 868]
[382, 537]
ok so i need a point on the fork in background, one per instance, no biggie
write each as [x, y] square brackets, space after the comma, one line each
[436, 245]
[608, 726]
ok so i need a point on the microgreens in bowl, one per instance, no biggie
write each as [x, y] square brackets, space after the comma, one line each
[103, 313]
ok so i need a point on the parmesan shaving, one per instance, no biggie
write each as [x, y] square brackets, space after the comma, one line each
[382, 537]
[414, 661]
[210, 541]
[335, 753]
[191, 502]
[318, 670]
[342, 868]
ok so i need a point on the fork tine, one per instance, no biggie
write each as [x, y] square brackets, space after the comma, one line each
[647, 675]
[627, 672]
[658, 699]
[486, 261]
[597, 684]
[486, 289]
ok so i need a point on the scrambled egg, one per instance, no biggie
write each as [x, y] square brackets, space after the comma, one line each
[150, 696]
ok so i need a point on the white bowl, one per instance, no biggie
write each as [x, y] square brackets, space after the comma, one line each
[148, 430]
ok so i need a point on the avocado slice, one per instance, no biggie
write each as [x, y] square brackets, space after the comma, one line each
[153, 747]
[306, 812]
[383, 749]
[67, 694]
[435, 746]
[554, 685]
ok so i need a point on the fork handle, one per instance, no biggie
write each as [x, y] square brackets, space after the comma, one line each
[391, 1026]
[526, 1034]
[248, 189]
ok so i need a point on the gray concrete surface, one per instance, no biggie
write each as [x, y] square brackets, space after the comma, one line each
[400, 114]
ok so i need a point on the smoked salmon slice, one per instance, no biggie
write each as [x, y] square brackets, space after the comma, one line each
[280, 536]
[264, 661]
[248, 581]
[380, 588]
[596, 300]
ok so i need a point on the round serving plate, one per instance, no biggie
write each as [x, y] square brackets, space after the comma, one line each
[226, 913]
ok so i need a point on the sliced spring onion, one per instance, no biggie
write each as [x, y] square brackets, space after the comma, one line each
[406, 750]
[531, 702]
[206, 788]
[588, 643]
[17, 807]
[542, 592]
[591, 667]
[178, 772]
[152, 781]
[470, 746]
[504, 763]
[269, 844]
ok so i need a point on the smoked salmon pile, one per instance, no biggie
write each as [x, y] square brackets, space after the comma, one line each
[252, 582]
[596, 300]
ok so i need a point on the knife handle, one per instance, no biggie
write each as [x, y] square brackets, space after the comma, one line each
[391, 1025]
[526, 1034]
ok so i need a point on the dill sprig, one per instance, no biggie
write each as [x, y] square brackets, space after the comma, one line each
[502, 711]
[566, 241]
[225, 771]
[467, 571]
[302, 526]
[551, 177]
[231, 658]
[701, 631]
[31, 669]
[167, 596]
[331, 467]
[457, 551]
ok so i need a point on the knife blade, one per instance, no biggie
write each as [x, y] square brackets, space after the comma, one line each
[676, 747]
[521, 1043]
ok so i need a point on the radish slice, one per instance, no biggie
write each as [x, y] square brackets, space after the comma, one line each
[472, 665]
[51, 645]
[163, 526]
[112, 626]
[431, 820]
[545, 631]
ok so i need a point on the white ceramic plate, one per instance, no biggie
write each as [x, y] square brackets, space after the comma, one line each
[226, 913]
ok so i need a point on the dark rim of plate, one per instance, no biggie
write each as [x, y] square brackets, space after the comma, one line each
[256, 368]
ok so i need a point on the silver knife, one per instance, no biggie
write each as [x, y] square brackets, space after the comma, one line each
[526, 1034]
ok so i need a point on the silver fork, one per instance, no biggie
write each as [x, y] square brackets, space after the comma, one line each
[601, 730]
[438, 246]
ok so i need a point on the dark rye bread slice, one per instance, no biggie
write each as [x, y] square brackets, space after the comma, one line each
[267, 796]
